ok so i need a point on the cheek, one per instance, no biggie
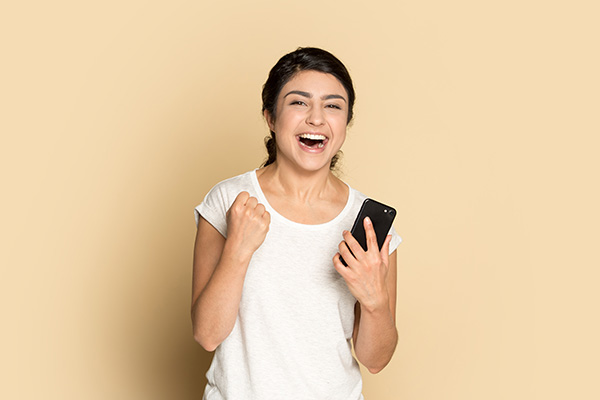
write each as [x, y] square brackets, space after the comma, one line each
[339, 133]
[286, 118]
[339, 125]
[342, 136]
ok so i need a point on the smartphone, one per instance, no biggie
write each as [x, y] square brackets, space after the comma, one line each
[382, 217]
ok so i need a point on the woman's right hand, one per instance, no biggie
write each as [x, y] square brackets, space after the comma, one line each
[247, 225]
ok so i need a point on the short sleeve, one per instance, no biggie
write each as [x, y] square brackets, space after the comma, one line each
[396, 240]
[214, 210]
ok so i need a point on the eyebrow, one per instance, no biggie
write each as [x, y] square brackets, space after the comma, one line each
[309, 95]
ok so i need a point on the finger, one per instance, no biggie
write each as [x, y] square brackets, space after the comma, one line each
[267, 216]
[251, 203]
[260, 210]
[241, 198]
[238, 204]
[370, 233]
[339, 267]
[348, 255]
[385, 249]
[265, 221]
[354, 246]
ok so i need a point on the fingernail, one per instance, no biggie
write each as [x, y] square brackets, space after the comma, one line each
[368, 220]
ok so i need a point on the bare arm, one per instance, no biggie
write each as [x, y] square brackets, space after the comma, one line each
[371, 277]
[375, 335]
[220, 267]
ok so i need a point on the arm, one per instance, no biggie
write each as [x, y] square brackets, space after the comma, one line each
[220, 267]
[371, 277]
[375, 335]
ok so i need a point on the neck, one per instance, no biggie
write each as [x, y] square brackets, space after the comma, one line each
[296, 183]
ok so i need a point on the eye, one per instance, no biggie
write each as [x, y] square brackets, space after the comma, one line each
[298, 102]
[335, 106]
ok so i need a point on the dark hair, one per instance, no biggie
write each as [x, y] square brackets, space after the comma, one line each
[302, 59]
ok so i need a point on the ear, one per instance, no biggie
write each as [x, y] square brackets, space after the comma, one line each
[269, 120]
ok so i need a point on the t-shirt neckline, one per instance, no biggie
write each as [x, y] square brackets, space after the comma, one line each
[274, 213]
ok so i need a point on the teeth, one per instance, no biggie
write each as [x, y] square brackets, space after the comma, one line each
[320, 145]
[312, 136]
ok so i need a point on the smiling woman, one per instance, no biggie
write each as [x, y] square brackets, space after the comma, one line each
[270, 295]
[309, 124]
[306, 59]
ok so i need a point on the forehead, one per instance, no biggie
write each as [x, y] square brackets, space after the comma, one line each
[315, 82]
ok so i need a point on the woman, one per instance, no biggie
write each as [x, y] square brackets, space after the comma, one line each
[270, 294]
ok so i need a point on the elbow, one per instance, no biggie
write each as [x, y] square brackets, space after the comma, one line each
[376, 365]
[208, 346]
[375, 369]
[204, 337]
[205, 342]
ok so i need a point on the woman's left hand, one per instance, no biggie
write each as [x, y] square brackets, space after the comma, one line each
[367, 271]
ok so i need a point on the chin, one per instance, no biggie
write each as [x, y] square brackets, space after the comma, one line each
[316, 166]
[313, 163]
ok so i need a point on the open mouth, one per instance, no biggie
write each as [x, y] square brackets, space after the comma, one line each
[312, 140]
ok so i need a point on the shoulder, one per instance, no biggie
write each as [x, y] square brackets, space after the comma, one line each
[232, 186]
[241, 180]
[357, 197]
[218, 200]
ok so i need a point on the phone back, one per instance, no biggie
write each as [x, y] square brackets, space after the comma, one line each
[382, 217]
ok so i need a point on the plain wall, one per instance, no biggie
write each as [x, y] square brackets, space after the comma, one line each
[477, 120]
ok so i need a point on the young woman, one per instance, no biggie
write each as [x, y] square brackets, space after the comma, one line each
[270, 294]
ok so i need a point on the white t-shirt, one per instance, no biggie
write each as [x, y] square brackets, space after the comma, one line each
[292, 335]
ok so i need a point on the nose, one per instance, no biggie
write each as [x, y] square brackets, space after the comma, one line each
[315, 117]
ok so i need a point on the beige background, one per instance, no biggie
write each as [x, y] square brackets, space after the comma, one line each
[477, 120]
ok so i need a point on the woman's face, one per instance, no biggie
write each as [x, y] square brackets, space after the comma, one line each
[310, 120]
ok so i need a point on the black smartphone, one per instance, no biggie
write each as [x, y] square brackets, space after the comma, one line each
[382, 217]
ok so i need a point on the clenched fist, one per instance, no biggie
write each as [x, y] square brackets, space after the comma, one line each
[247, 224]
